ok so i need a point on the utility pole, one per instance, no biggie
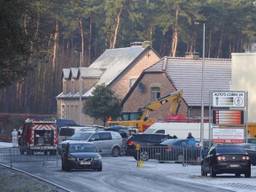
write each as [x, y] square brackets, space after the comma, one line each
[202, 89]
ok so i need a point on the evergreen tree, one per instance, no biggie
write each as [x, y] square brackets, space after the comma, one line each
[102, 104]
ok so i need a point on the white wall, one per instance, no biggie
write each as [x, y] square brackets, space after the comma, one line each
[244, 79]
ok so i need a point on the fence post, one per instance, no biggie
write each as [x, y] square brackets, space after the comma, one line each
[10, 154]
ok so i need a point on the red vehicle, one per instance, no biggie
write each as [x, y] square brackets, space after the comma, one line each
[38, 136]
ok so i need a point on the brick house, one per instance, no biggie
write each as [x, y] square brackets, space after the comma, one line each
[117, 68]
[171, 74]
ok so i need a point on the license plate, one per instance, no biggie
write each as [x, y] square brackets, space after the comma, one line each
[85, 162]
[233, 166]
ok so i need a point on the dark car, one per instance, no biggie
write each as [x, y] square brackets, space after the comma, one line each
[179, 150]
[250, 148]
[149, 144]
[80, 155]
[226, 159]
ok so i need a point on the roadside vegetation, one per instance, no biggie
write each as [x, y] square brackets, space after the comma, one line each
[13, 181]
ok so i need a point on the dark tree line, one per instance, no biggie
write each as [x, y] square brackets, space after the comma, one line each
[40, 37]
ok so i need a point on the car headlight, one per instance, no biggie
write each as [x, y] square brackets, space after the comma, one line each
[71, 158]
[98, 157]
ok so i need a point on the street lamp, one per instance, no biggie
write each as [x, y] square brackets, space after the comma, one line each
[202, 86]
[202, 89]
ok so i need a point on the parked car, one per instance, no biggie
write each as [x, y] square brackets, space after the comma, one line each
[124, 131]
[226, 159]
[107, 142]
[80, 155]
[179, 150]
[250, 148]
[148, 143]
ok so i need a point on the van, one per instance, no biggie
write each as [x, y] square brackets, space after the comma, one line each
[178, 129]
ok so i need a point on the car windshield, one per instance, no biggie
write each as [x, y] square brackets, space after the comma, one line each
[230, 150]
[76, 148]
[81, 136]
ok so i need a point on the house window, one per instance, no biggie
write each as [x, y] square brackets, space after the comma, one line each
[132, 81]
[155, 93]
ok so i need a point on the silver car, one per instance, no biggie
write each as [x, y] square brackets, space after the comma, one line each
[107, 142]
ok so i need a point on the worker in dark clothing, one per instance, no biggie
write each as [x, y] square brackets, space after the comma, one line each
[190, 136]
[191, 139]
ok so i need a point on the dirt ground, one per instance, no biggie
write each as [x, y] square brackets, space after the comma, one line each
[13, 181]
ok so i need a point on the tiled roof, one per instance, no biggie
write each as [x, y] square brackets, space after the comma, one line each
[186, 74]
[91, 72]
[107, 67]
[114, 62]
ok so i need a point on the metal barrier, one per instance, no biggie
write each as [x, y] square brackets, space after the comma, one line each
[184, 155]
[12, 155]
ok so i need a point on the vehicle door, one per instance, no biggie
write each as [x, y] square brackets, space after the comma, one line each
[106, 142]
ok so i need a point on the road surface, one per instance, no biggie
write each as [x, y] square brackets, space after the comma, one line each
[119, 175]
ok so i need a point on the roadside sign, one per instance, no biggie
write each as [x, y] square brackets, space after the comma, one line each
[228, 117]
[228, 99]
[228, 135]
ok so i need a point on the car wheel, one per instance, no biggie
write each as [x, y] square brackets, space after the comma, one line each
[212, 172]
[237, 174]
[144, 156]
[99, 168]
[248, 173]
[115, 152]
[65, 167]
[203, 173]
[22, 152]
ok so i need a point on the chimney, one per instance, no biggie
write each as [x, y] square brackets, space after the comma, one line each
[192, 55]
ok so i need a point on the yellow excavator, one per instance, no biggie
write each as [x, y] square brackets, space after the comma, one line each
[144, 121]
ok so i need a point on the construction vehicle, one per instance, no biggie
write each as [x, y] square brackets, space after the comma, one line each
[251, 129]
[38, 136]
[144, 121]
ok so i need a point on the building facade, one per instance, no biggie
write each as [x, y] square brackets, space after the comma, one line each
[117, 68]
[172, 74]
[244, 78]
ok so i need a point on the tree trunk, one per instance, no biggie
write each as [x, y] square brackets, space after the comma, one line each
[113, 40]
[209, 44]
[82, 41]
[90, 41]
[55, 45]
[175, 33]
[219, 46]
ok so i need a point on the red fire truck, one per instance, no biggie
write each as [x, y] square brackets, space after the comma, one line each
[38, 136]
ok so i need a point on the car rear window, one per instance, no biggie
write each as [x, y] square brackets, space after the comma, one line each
[81, 136]
[66, 132]
[230, 150]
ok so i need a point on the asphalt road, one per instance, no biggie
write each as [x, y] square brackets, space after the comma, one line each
[119, 175]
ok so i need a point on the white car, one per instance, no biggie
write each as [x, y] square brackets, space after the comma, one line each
[107, 142]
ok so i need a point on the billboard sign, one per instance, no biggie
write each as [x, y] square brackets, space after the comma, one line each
[228, 117]
[228, 99]
[228, 135]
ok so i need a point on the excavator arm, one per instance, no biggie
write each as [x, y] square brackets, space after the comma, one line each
[174, 99]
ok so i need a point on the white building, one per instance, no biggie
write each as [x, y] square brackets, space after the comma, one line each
[244, 78]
